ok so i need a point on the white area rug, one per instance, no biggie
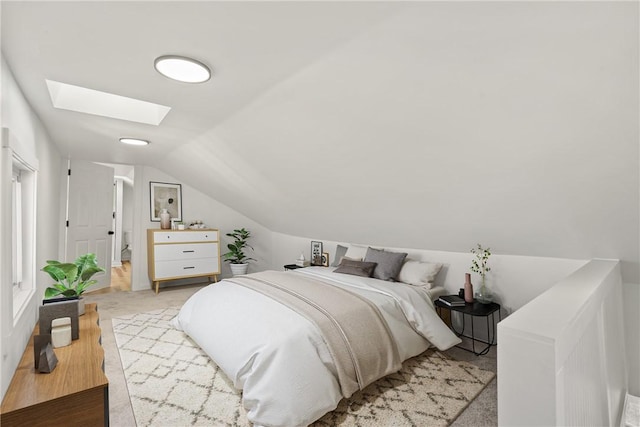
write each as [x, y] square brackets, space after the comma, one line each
[173, 383]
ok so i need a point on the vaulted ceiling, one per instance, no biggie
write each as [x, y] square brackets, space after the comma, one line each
[421, 124]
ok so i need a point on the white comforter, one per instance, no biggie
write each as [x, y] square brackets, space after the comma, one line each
[279, 359]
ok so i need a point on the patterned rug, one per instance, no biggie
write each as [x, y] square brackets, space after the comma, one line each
[173, 383]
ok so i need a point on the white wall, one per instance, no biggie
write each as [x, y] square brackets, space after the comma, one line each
[32, 139]
[509, 123]
[515, 280]
[195, 206]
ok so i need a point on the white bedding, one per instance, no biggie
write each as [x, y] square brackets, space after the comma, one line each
[279, 359]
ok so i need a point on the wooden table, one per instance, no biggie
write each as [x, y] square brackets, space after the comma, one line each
[76, 393]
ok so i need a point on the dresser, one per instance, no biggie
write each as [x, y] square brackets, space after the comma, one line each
[75, 393]
[173, 254]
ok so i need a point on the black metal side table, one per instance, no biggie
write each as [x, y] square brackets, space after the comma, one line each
[475, 309]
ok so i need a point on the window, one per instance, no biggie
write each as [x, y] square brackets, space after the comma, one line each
[17, 233]
[23, 232]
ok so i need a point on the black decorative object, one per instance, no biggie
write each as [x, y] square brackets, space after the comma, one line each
[56, 310]
[48, 359]
[316, 253]
[59, 299]
[39, 342]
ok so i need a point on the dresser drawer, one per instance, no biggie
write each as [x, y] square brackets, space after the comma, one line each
[185, 268]
[185, 236]
[186, 251]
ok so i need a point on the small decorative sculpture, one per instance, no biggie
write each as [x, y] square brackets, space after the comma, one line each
[300, 262]
[39, 343]
[48, 359]
[61, 332]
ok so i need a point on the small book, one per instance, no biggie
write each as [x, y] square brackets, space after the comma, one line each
[452, 300]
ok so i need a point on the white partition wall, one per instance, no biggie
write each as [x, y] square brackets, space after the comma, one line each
[561, 358]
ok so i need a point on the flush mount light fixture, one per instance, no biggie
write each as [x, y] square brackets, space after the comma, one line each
[182, 69]
[134, 141]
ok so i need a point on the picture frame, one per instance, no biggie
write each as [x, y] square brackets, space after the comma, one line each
[164, 195]
[325, 259]
[316, 253]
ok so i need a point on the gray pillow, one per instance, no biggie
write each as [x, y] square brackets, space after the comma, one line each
[340, 252]
[356, 268]
[389, 263]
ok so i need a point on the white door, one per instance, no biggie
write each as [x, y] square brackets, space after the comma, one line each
[90, 216]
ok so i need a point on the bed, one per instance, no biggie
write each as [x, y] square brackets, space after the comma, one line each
[288, 370]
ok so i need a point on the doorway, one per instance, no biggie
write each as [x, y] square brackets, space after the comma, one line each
[121, 277]
[123, 223]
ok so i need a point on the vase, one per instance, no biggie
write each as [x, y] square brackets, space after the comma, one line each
[468, 288]
[483, 294]
[165, 219]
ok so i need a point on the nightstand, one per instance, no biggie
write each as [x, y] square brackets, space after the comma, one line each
[472, 310]
[291, 267]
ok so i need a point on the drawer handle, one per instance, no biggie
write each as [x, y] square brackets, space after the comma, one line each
[185, 252]
[187, 268]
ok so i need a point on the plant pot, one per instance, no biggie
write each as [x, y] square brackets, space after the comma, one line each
[63, 299]
[238, 269]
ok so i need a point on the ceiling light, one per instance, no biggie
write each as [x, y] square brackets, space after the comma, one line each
[134, 141]
[182, 69]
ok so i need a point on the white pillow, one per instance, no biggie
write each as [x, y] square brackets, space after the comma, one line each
[418, 273]
[356, 252]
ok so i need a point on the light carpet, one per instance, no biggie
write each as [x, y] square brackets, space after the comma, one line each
[172, 382]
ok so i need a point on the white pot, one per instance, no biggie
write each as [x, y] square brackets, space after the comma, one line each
[238, 269]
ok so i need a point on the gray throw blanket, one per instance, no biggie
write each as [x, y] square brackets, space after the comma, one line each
[353, 328]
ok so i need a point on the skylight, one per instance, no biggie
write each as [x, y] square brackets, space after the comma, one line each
[76, 98]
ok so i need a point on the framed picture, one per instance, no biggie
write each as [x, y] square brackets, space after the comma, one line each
[316, 253]
[165, 196]
[325, 259]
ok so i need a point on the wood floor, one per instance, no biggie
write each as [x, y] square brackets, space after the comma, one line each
[120, 279]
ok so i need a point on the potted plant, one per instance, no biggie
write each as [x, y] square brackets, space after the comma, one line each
[72, 279]
[236, 257]
[479, 266]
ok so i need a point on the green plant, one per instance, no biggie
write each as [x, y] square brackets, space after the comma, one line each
[479, 264]
[236, 253]
[71, 279]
